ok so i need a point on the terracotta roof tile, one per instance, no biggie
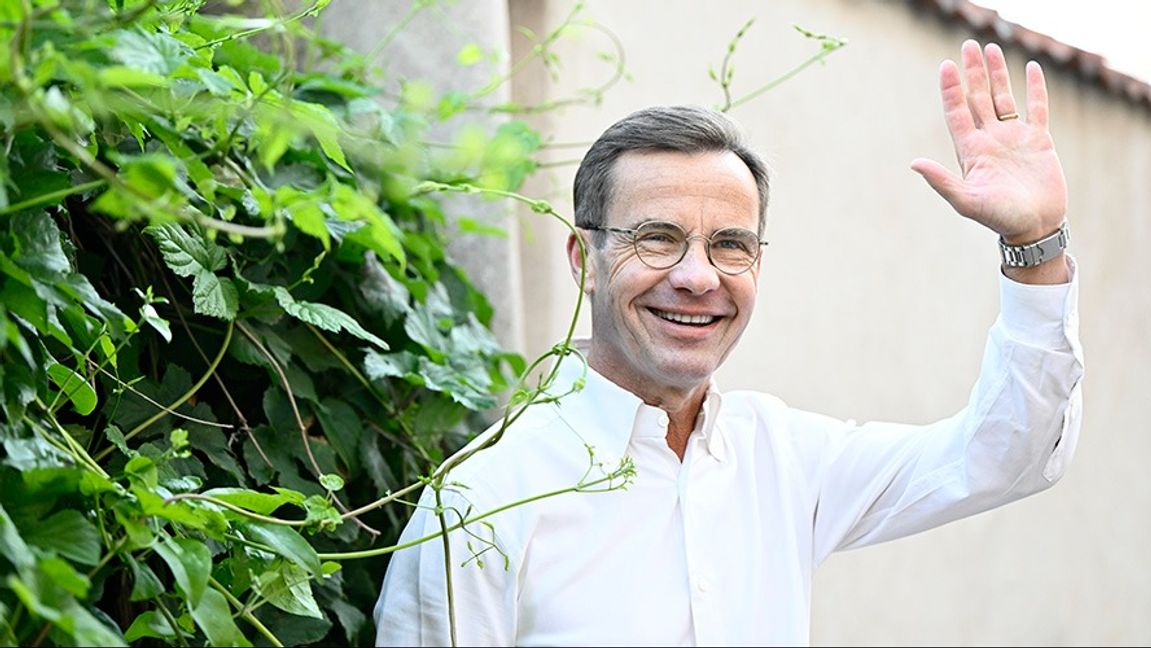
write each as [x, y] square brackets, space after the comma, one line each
[1086, 65]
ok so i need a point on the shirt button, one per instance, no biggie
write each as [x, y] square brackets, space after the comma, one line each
[663, 420]
[703, 585]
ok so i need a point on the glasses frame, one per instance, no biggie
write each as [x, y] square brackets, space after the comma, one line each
[634, 231]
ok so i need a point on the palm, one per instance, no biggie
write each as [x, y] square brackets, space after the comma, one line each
[1011, 180]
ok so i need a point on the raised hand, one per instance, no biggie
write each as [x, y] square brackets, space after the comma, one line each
[1010, 176]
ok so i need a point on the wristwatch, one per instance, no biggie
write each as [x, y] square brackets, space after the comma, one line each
[1032, 254]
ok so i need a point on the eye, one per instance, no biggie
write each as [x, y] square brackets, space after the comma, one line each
[735, 241]
[659, 233]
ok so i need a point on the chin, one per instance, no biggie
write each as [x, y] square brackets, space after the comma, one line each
[688, 375]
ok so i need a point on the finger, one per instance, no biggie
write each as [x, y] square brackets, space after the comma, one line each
[945, 183]
[978, 95]
[955, 110]
[1001, 98]
[1036, 95]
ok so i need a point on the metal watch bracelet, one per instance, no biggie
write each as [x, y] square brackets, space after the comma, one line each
[1032, 254]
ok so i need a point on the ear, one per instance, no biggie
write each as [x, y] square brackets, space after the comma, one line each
[577, 263]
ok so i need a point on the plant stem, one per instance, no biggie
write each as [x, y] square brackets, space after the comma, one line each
[182, 399]
[234, 508]
[245, 613]
[451, 599]
[51, 197]
[621, 473]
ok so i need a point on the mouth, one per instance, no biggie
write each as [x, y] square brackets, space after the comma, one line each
[684, 318]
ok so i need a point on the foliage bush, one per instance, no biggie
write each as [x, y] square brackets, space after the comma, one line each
[229, 332]
[227, 322]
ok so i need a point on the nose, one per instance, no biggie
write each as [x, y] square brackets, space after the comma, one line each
[694, 272]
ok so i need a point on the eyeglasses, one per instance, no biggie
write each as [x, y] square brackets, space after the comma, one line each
[661, 245]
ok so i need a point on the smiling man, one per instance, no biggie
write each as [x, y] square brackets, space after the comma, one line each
[665, 312]
[737, 497]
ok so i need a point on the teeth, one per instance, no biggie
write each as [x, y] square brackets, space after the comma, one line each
[681, 318]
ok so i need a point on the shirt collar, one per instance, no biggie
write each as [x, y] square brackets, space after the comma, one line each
[607, 416]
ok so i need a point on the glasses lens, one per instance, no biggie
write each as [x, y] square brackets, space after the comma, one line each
[660, 244]
[734, 249]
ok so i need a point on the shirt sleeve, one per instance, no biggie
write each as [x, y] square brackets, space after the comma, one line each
[881, 481]
[412, 609]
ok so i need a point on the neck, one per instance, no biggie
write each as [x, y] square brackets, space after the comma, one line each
[681, 404]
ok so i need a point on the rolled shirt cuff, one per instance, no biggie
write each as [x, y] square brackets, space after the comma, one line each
[1040, 315]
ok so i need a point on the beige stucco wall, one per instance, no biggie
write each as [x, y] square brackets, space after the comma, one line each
[421, 41]
[875, 297]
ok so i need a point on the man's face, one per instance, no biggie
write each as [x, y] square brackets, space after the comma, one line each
[656, 332]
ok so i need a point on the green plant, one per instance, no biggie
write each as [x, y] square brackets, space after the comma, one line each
[227, 322]
[231, 340]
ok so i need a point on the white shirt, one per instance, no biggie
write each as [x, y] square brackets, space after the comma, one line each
[719, 549]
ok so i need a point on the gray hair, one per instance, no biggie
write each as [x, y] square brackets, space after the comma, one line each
[686, 129]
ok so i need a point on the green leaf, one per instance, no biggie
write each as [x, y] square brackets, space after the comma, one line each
[295, 629]
[198, 172]
[214, 444]
[470, 54]
[82, 395]
[69, 534]
[154, 52]
[289, 589]
[22, 300]
[145, 584]
[191, 255]
[250, 500]
[77, 286]
[423, 328]
[122, 76]
[7, 636]
[216, 83]
[12, 545]
[467, 386]
[197, 517]
[324, 317]
[332, 481]
[150, 317]
[191, 564]
[350, 617]
[381, 235]
[61, 573]
[186, 254]
[214, 617]
[382, 291]
[87, 629]
[142, 470]
[375, 465]
[321, 513]
[149, 176]
[379, 366]
[34, 452]
[286, 542]
[473, 226]
[38, 249]
[323, 126]
[150, 624]
[309, 219]
[342, 427]
[108, 349]
[215, 296]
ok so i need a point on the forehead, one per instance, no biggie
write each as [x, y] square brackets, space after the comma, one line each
[714, 187]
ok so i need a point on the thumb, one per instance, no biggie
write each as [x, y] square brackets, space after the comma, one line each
[945, 183]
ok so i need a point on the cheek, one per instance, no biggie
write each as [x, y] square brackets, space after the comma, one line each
[625, 269]
[745, 294]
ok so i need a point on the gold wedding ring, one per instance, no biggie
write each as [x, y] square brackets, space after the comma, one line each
[1010, 115]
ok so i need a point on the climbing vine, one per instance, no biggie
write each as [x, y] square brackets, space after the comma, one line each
[233, 346]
